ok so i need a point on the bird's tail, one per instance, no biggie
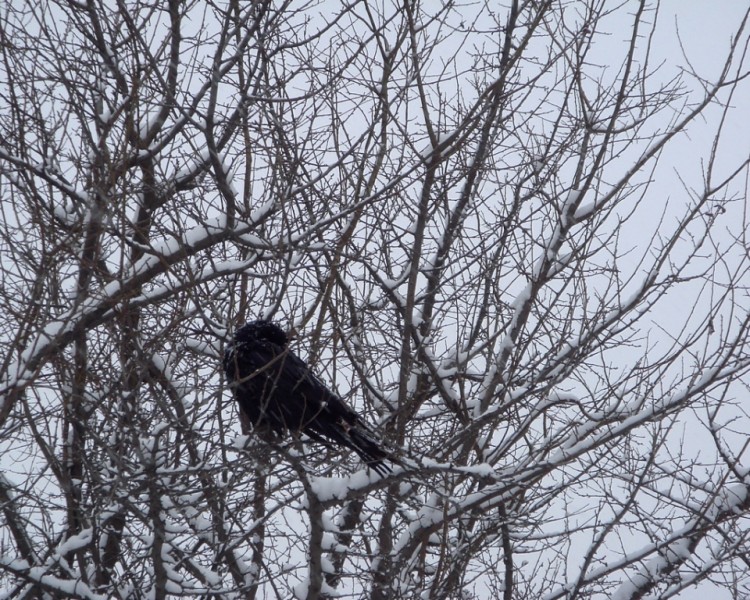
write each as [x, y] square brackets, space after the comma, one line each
[369, 450]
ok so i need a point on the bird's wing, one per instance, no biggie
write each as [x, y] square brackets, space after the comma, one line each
[300, 389]
[327, 415]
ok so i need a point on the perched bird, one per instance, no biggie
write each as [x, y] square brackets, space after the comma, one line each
[277, 391]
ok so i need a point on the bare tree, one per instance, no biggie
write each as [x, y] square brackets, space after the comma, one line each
[473, 222]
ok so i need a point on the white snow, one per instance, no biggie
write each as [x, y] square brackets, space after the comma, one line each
[73, 543]
[586, 210]
[337, 488]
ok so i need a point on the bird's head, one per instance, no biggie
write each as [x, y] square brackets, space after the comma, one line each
[260, 330]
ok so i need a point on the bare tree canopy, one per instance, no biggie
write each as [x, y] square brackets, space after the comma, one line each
[511, 235]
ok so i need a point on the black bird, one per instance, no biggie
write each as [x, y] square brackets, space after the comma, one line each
[277, 391]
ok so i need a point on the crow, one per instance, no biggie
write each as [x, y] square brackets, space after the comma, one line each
[278, 392]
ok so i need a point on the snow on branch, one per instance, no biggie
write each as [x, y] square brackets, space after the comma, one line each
[649, 566]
